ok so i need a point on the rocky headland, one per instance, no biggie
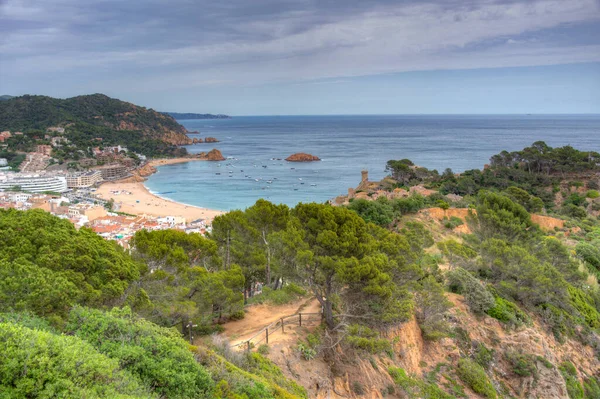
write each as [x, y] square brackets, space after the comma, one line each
[302, 157]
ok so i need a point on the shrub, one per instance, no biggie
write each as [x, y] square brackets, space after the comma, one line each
[416, 388]
[569, 373]
[264, 349]
[209, 329]
[362, 337]
[591, 387]
[522, 364]
[35, 363]
[573, 211]
[358, 388]
[432, 306]
[474, 376]
[483, 356]
[306, 352]
[476, 295]
[156, 355]
[592, 194]
[289, 293]
[453, 222]
[507, 312]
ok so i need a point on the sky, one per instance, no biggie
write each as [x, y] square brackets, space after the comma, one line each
[284, 57]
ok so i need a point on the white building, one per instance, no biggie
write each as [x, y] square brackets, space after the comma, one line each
[33, 183]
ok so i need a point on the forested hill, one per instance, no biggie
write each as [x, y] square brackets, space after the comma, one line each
[40, 112]
[5, 97]
[187, 115]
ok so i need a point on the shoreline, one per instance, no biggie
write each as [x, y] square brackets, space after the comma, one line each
[135, 198]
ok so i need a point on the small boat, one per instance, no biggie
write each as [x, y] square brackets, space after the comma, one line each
[264, 166]
[256, 180]
[295, 189]
[313, 185]
[217, 173]
[299, 178]
[269, 181]
[302, 183]
[292, 168]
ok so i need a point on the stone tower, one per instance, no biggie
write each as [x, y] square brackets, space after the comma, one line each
[365, 176]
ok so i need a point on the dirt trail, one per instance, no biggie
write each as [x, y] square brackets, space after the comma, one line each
[259, 316]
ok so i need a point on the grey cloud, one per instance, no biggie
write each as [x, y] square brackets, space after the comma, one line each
[261, 41]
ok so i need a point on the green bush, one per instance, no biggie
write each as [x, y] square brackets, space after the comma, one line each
[474, 376]
[483, 356]
[35, 363]
[264, 349]
[569, 373]
[157, 356]
[522, 364]
[591, 387]
[306, 352]
[592, 194]
[453, 222]
[573, 211]
[507, 312]
[362, 337]
[416, 388]
[479, 299]
[289, 293]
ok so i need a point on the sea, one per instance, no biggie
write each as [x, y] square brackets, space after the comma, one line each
[256, 146]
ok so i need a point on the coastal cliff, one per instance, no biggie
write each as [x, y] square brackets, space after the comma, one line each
[302, 157]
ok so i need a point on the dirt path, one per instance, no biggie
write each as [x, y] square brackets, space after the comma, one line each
[259, 316]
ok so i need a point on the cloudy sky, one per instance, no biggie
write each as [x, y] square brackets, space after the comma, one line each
[249, 57]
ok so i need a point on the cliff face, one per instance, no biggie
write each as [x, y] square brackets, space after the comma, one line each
[302, 157]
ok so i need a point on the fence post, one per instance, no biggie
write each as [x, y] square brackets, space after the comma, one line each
[300, 319]
[267, 335]
[248, 349]
[282, 329]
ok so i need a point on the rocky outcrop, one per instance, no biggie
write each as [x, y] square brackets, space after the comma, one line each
[211, 140]
[146, 170]
[212, 155]
[197, 141]
[302, 157]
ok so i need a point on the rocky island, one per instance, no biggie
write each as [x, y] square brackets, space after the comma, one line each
[302, 157]
[212, 155]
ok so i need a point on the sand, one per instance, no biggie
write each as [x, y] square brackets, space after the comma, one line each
[127, 194]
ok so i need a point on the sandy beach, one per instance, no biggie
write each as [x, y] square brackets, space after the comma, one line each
[134, 198]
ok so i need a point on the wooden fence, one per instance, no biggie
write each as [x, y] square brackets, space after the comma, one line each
[263, 335]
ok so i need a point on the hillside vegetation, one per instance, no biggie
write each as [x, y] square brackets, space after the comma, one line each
[487, 304]
[91, 117]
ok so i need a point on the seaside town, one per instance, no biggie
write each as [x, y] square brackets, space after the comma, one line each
[102, 192]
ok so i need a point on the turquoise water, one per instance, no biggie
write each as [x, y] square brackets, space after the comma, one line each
[346, 145]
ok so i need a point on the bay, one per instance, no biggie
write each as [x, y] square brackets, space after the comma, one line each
[257, 145]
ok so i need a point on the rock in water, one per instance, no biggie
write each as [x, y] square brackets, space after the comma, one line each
[212, 155]
[302, 157]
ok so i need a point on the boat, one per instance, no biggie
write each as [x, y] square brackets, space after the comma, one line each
[217, 173]
[313, 185]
